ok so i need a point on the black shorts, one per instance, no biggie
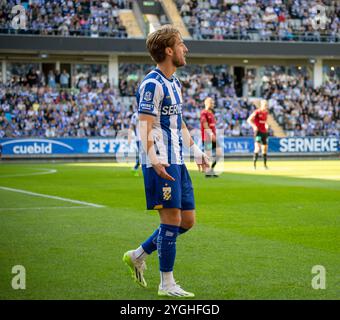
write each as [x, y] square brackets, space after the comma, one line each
[261, 137]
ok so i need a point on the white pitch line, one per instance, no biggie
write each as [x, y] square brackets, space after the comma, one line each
[41, 208]
[46, 171]
[52, 197]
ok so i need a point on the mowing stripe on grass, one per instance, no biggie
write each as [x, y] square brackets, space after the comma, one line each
[41, 208]
[40, 173]
[52, 197]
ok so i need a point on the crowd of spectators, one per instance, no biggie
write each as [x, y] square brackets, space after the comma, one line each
[39, 108]
[60, 80]
[293, 20]
[45, 111]
[35, 78]
[67, 17]
[302, 110]
[130, 74]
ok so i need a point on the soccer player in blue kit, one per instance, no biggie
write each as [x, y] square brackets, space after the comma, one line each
[163, 133]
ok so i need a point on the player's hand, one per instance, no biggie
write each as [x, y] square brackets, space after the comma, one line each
[203, 163]
[201, 159]
[160, 170]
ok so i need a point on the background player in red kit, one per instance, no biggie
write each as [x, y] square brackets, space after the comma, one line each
[258, 121]
[208, 130]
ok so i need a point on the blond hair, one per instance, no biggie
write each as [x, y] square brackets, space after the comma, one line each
[259, 103]
[161, 39]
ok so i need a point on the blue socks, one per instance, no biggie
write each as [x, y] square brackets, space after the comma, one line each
[166, 246]
[150, 245]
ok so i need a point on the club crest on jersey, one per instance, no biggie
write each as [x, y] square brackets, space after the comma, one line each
[166, 193]
[147, 96]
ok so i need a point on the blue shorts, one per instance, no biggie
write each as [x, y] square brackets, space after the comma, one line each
[161, 193]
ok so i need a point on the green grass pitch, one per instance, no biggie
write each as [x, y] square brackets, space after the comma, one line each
[258, 234]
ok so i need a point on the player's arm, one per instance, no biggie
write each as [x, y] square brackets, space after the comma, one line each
[250, 120]
[266, 126]
[146, 123]
[148, 109]
[130, 132]
[202, 160]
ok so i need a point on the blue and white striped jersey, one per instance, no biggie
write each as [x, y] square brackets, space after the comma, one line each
[162, 98]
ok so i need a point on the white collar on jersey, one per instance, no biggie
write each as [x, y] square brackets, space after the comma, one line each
[163, 75]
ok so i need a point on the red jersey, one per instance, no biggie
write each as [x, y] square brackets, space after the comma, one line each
[260, 120]
[210, 119]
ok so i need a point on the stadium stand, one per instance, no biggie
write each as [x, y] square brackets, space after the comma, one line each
[53, 101]
[34, 106]
[259, 20]
[43, 111]
[68, 18]
[130, 23]
[302, 110]
[153, 22]
[175, 17]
